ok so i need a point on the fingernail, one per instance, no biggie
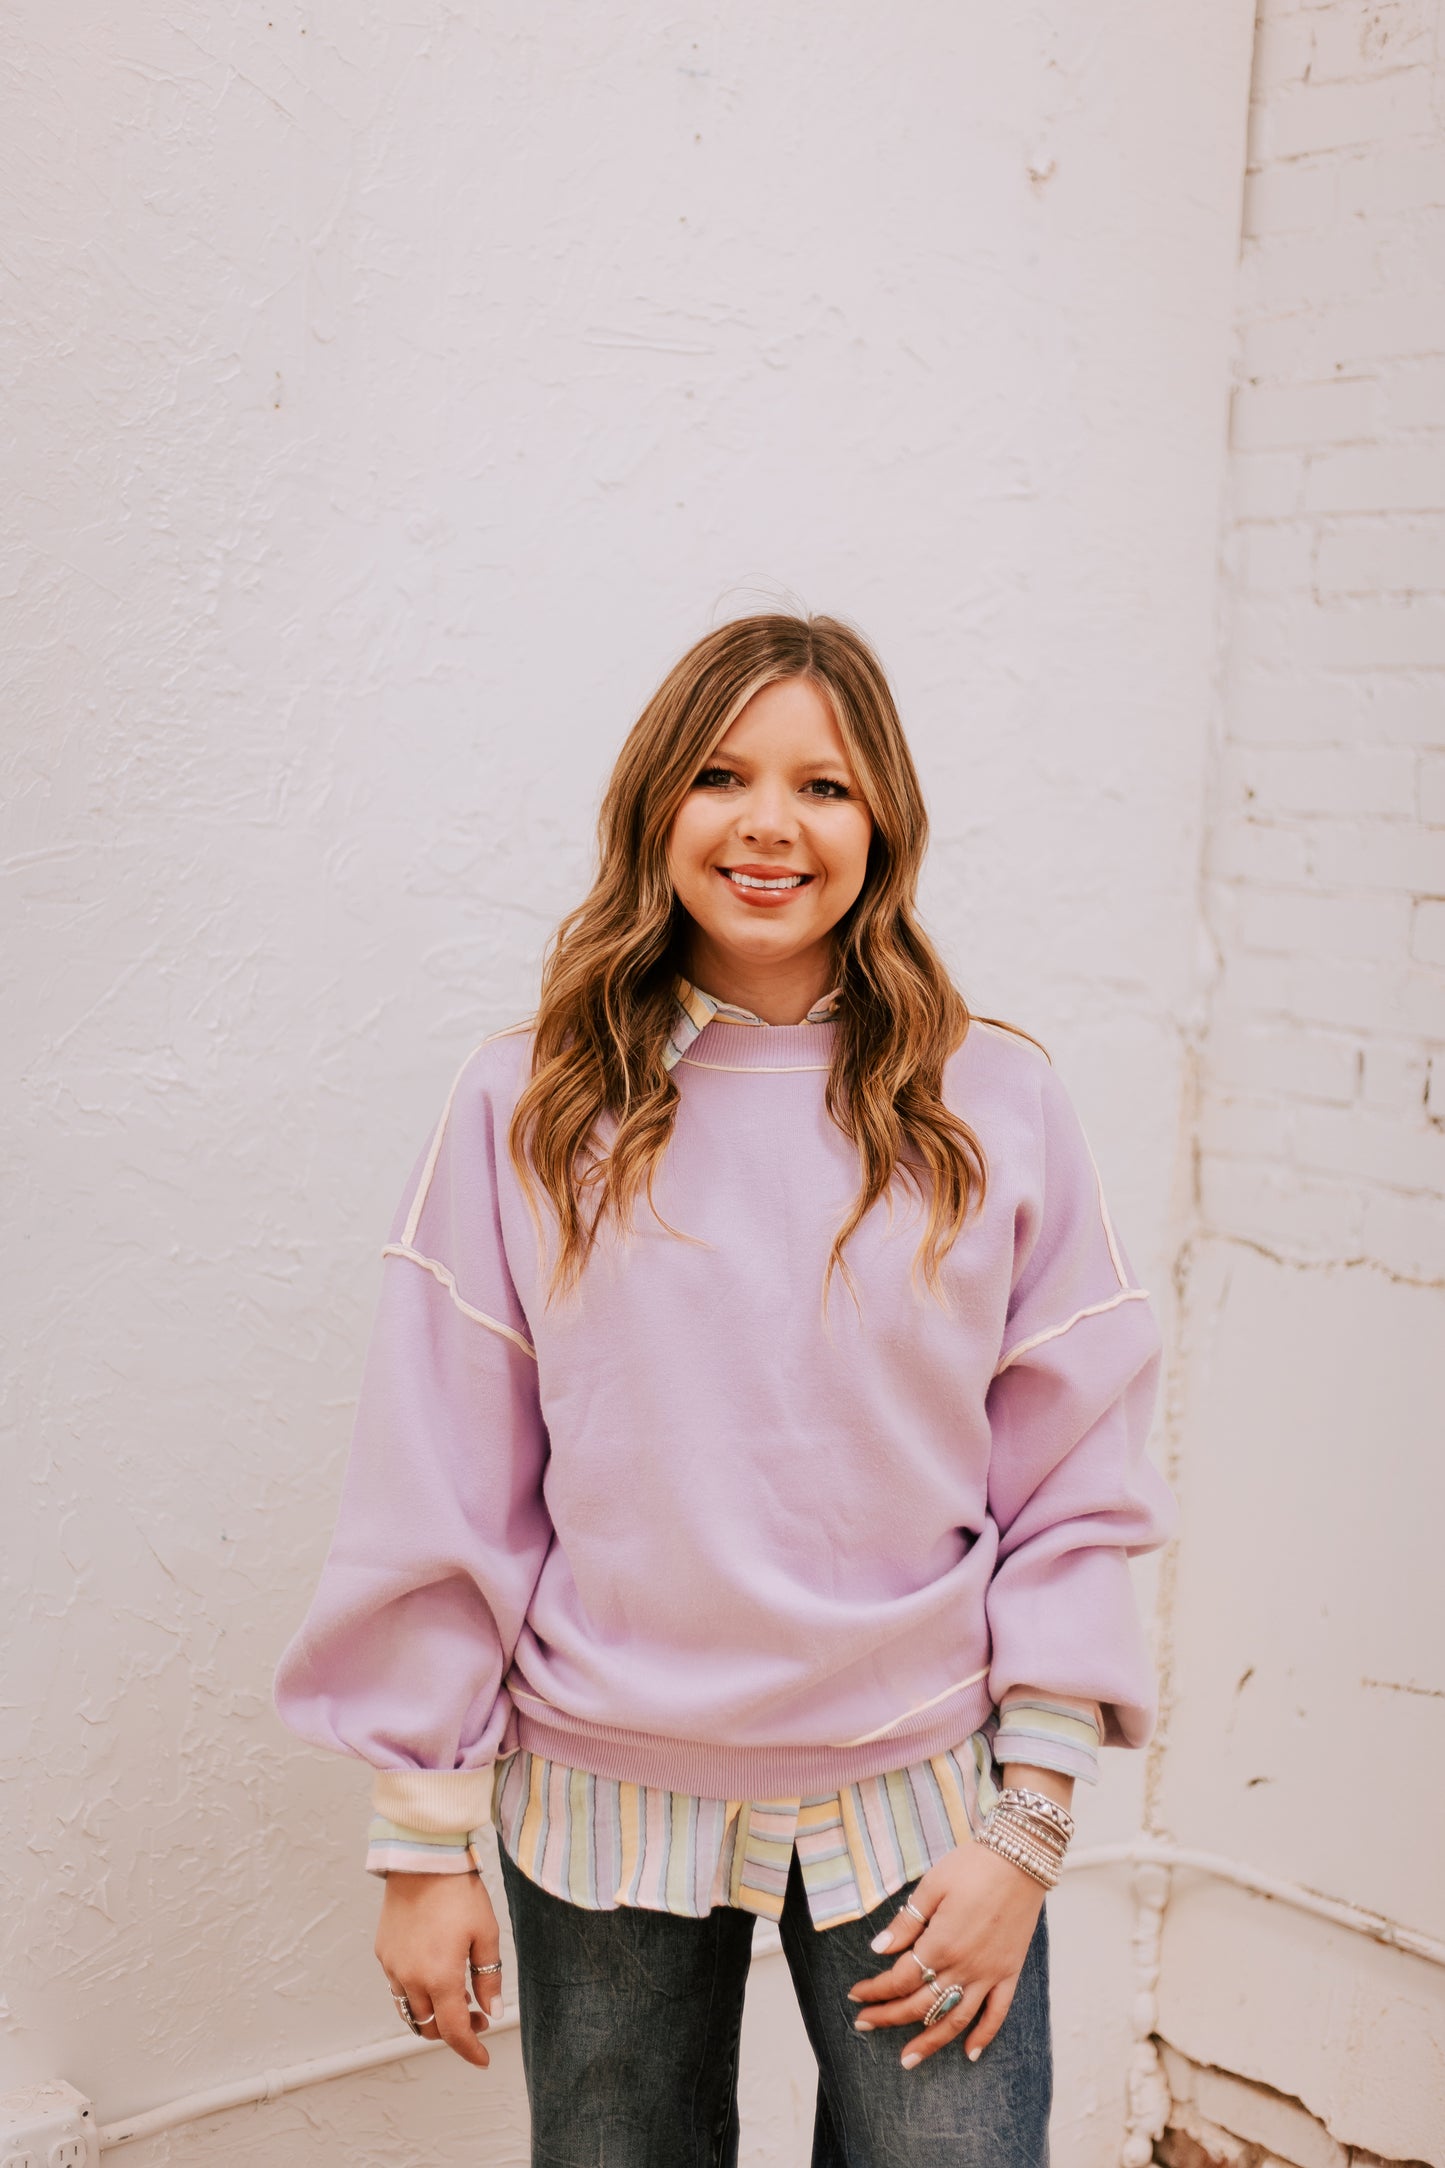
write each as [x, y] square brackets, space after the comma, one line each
[881, 1941]
[853, 1994]
[862, 2024]
[495, 2007]
[974, 2054]
[910, 2060]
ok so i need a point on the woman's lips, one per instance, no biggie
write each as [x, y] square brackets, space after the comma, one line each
[756, 888]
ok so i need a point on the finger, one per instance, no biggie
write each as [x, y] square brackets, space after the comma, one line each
[903, 1975]
[897, 1998]
[454, 2023]
[944, 2030]
[475, 2017]
[901, 1995]
[475, 2011]
[405, 2008]
[486, 1986]
[426, 2019]
[903, 1930]
[995, 2009]
[418, 2010]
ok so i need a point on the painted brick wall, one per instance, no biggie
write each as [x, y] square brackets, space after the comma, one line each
[1301, 1630]
[1323, 1120]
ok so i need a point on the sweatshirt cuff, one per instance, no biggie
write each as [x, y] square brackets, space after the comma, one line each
[436, 1803]
[393, 1849]
[1050, 1734]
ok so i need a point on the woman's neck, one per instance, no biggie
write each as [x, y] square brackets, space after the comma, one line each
[780, 993]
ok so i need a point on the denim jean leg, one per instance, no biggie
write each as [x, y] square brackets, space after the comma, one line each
[945, 2113]
[630, 2022]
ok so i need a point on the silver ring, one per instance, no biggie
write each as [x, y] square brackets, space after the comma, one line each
[948, 1999]
[486, 1968]
[406, 2014]
[928, 1972]
[909, 1906]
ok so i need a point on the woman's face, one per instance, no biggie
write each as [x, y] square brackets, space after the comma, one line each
[770, 846]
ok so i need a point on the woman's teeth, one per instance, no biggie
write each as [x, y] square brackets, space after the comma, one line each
[748, 880]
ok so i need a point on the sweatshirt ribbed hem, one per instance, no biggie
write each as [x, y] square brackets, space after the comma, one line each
[786, 1048]
[749, 1772]
[435, 1802]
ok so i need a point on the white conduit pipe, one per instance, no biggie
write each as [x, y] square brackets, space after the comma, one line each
[1140, 1852]
[272, 2084]
[246, 2092]
[1155, 1852]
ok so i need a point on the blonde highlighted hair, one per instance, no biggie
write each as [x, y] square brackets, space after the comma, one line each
[607, 997]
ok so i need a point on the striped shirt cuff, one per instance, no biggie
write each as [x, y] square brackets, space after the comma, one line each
[392, 1849]
[1050, 1735]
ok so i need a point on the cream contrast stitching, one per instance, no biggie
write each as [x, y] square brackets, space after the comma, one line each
[413, 1218]
[1121, 1275]
[1129, 1294]
[439, 1271]
[916, 1710]
[745, 1068]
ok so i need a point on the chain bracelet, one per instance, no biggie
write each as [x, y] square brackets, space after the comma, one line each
[1039, 1805]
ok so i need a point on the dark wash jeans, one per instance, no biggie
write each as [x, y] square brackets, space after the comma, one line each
[630, 2022]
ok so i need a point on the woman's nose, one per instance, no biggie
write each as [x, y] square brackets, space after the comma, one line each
[768, 815]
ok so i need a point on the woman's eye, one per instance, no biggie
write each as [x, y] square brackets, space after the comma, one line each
[821, 786]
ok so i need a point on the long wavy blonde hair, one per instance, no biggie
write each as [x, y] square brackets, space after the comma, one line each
[607, 997]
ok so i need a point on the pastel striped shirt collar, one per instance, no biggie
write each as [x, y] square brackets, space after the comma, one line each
[696, 1009]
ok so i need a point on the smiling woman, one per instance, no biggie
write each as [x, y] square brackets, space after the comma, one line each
[769, 849]
[715, 1597]
[774, 735]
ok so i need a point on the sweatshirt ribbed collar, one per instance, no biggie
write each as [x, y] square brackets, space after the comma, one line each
[777, 1044]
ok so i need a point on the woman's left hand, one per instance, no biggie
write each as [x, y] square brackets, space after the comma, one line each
[981, 1914]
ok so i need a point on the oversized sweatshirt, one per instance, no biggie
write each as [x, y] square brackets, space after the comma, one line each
[836, 1559]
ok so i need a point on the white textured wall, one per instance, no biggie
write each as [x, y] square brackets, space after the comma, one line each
[399, 390]
[1307, 1735]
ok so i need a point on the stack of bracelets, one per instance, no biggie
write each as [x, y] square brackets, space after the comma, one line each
[1030, 1829]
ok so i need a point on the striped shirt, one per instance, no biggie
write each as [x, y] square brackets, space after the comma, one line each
[599, 1842]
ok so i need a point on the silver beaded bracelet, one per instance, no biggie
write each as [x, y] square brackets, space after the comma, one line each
[1031, 1830]
[1027, 1841]
[1032, 1861]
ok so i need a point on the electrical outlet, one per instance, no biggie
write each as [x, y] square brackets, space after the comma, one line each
[48, 2126]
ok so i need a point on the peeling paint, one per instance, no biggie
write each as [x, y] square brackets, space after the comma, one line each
[1311, 1335]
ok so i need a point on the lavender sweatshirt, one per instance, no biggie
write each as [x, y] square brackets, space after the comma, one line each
[682, 1530]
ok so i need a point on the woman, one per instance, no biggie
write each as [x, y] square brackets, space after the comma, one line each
[749, 1455]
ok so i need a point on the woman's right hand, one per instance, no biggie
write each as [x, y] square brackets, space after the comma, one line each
[432, 1927]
